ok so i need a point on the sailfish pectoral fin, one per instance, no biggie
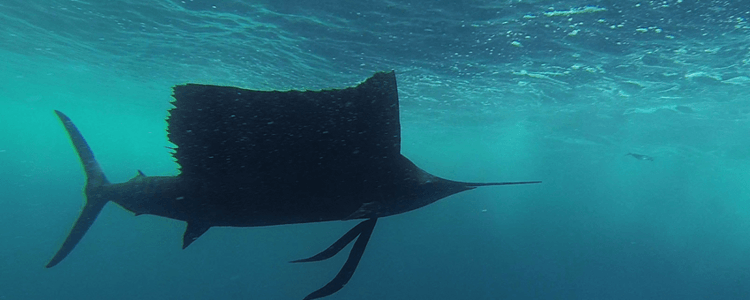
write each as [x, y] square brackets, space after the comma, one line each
[334, 249]
[363, 231]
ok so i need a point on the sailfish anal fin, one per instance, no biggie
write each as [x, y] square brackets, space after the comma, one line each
[362, 232]
[193, 231]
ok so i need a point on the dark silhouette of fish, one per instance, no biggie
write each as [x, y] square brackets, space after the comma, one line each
[640, 156]
[684, 109]
[258, 158]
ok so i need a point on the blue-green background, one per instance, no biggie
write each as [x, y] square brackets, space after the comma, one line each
[497, 90]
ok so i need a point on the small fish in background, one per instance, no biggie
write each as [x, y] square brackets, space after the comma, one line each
[640, 156]
[684, 109]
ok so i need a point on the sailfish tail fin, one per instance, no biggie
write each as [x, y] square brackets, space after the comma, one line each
[95, 180]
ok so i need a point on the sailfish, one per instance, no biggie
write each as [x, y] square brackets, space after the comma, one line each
[260, 158]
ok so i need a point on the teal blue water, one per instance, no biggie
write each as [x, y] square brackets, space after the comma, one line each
[557, 91]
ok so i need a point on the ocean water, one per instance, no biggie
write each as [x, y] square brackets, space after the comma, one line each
[557, 91]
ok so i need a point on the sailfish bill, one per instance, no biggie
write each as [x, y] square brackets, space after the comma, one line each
[258, 158]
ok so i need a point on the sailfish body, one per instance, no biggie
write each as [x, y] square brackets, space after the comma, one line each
[258, 158]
